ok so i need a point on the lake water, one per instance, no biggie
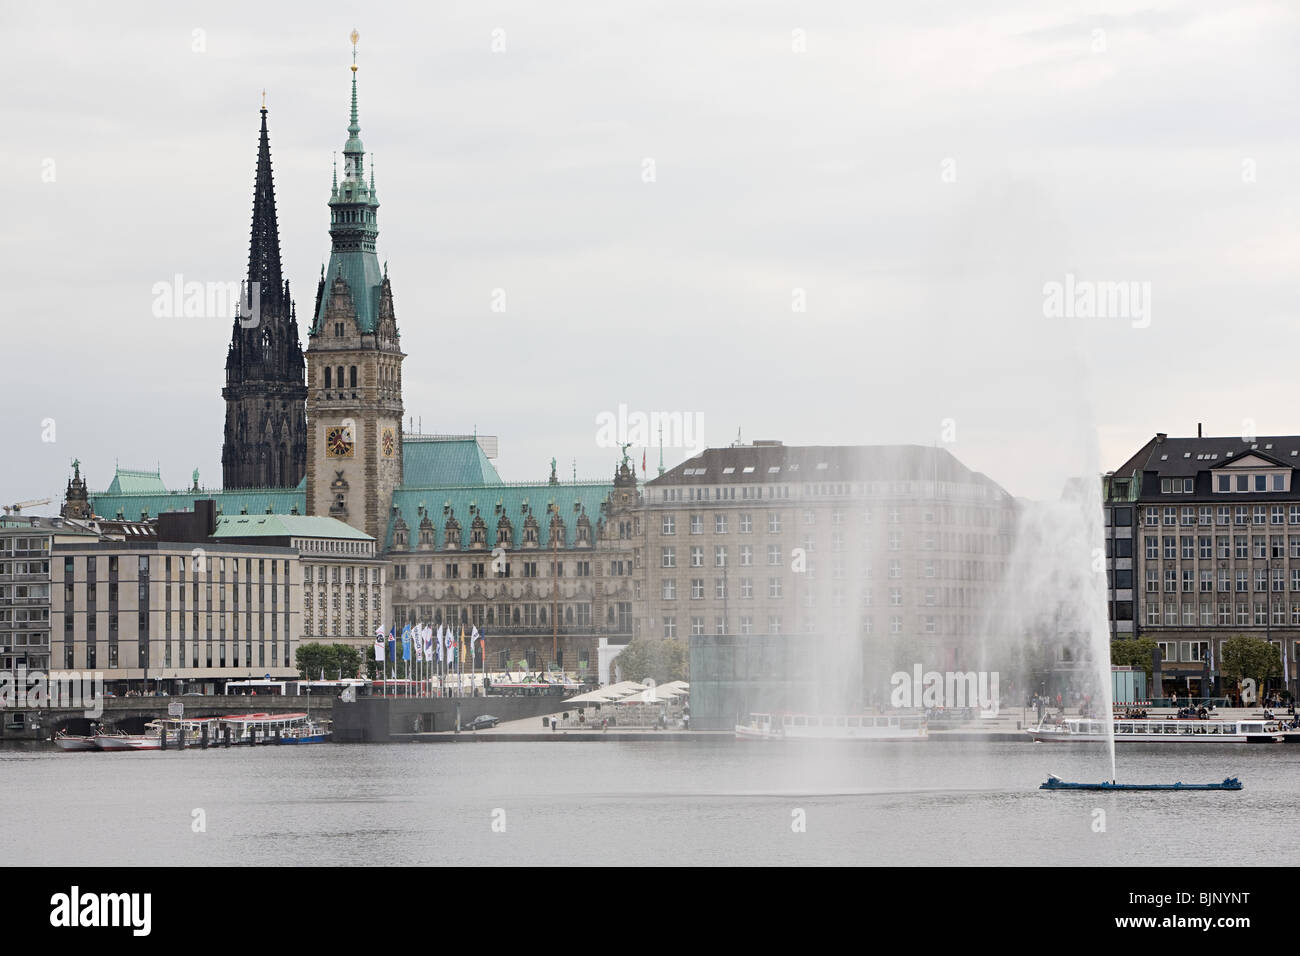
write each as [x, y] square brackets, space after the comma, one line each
[711, 802]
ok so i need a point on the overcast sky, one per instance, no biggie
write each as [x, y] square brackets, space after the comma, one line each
[916, 172]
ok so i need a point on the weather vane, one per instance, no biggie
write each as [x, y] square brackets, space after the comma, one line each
[355, 37]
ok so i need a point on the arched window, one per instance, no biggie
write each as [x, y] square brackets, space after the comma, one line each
[266, 345]
[352, 376]
[327, 377]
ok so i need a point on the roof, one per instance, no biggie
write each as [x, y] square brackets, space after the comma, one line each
[432, 460]
[765, 462]
[360, 270]
[129, 482]
[513, 500]
[283, 526]
[233, 502]
[1184, 457]
[1198, 458]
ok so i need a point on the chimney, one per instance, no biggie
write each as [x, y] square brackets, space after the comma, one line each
[1198, 429]
[1160, 437]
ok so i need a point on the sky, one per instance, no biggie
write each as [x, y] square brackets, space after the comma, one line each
[818, 222]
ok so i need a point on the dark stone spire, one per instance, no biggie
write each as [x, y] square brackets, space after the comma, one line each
[265, 438]
[264, 246]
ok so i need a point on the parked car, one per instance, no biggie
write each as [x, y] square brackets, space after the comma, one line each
[483, 721]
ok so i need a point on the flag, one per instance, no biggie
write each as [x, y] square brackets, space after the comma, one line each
[477, 638]
[379, 644]
[643, 461]
[392, 643]
[419, 645]
[449, 642]
[462, 642]
[442, 646]
[428, 643]
[406, 643]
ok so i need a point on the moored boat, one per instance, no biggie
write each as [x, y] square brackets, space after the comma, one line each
[270, 728]
[1156, 730]
[833, 727]
[66, 741]
[120, 741]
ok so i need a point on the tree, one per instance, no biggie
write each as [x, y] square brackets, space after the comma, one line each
[347, 661]
[660, 660]
[1133, 653]
[1250, 657]
[311, 658]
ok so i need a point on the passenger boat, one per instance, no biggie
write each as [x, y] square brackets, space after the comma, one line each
[1056, 783]
[66, 741]
[307, 732]
[833, 727]
[263, 728]
[1155, 730]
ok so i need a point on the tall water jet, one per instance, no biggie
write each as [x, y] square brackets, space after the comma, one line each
[1050, 622]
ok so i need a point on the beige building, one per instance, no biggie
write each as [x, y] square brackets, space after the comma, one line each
[899, 544]
[175, 613]
[344, 580]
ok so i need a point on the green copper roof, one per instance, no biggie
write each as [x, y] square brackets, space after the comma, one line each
[128, 482]
[513, 500]
[360, 270]
[283, 526]
[254, 501]
[446, 461]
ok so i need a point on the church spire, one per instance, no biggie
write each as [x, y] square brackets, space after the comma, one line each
[353, 151]
[354, 227]
[264, 245]
[265, 392]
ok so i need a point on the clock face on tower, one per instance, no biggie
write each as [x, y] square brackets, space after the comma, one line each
[338, 441]
[389, 443]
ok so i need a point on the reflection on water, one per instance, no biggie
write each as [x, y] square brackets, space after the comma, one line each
[648, 803]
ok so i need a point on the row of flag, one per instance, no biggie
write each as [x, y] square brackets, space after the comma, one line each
[426, 644]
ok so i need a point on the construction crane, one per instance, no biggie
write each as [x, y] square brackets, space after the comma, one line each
[18, 508]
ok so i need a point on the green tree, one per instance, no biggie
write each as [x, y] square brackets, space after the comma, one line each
[347, 661]
[660, 660]
[1250, 657]
[1133, 653]
[310, 658]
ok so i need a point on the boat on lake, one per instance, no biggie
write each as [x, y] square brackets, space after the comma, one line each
[265, 728]
[1056, 783]
[66, 741]
[1182, 730]
[833, 727]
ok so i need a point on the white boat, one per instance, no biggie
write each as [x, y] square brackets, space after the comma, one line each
[151, 739]
[66, 741]
[833, 727]
[263, 728]
[119, 741]
[1179, 730]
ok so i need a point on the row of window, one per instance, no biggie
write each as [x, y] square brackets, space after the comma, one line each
[1206, 547]
[1238, 580]
[1228, 484]
[340, 575]
[1221, 514]
[1257, 614]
